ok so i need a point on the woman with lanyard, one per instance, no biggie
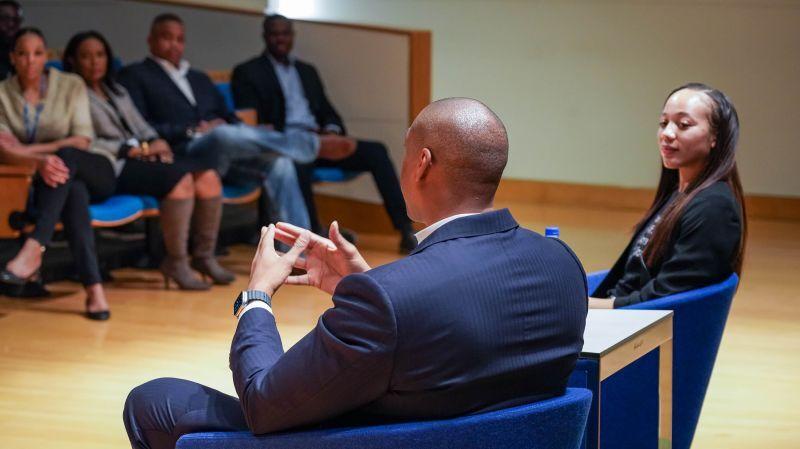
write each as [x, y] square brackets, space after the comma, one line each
[189, 190]
[45, 122]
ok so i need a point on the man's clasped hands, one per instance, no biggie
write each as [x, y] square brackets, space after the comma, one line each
[325, 261]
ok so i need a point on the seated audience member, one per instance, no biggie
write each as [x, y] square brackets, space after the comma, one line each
[482, 314]
[10, 20]
[288, 94]
[186, 109]
[45, 121]
[694, 233]
[189, 190]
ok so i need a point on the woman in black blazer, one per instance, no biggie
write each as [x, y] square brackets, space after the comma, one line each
[694, 233]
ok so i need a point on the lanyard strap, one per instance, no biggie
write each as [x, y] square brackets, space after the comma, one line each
[32, 126]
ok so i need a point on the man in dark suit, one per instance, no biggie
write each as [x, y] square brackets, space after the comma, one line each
[187, 110]
[288, 94]
[482, 315]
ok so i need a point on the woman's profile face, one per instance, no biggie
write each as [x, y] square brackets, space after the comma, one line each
[685, 137]
[29, 56]
[91, 60]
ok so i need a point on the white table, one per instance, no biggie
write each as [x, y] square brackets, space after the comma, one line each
[615, 339]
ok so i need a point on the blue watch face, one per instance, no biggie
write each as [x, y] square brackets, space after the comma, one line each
[237, 304]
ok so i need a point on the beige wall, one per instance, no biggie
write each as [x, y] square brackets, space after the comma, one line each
[580, 83]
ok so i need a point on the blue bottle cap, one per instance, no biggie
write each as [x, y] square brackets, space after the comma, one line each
[552, 231]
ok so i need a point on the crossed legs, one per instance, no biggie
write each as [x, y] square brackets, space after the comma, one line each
[160, 411]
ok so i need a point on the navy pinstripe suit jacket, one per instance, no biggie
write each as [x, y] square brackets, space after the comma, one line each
[482, 315]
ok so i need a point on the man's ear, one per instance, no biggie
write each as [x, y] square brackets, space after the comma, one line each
[424, 162]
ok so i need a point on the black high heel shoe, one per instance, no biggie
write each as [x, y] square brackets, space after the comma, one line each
[19, 287]
[101, 315]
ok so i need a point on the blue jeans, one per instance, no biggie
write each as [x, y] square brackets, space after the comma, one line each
[274, 152]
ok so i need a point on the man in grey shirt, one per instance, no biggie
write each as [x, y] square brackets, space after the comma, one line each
[288, 94]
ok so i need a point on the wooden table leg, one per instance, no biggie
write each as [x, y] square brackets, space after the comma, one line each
[665, 395]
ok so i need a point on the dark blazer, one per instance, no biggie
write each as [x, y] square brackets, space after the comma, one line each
[702, 249]
[255, 85]
[482, 315]
[163, 104]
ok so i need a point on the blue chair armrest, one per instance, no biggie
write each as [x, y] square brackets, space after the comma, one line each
[673, 301]
[594, 279]
[555, 423]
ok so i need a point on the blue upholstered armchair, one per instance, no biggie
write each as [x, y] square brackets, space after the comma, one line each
[699, 320]
[556, 423]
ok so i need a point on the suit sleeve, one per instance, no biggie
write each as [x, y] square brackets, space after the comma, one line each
[707, 241]
[328, 117]
[345, 362]
[244, 91]
[133, 82]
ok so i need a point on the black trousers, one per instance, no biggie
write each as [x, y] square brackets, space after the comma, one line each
[159, 412]
[372, 157]
[91, 179]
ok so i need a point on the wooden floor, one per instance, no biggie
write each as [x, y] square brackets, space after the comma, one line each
[63, 379]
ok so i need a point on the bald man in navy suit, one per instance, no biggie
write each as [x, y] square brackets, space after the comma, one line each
[482, 315]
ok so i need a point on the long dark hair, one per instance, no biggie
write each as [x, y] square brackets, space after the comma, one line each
[70, 58]
[720, 166]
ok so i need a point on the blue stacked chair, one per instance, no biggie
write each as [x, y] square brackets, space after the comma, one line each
[556, 423]
[240, 194]
[230, 195]
[54, 64]
[116, 211]
[227, 94]
[698, 323]
[150, 206]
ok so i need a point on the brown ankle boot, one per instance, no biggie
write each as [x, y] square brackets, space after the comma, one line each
[205, 227]
[176, 217]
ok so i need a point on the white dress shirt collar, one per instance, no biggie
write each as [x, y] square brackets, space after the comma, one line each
[425, 233]
[178, 76]
[290, 60]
